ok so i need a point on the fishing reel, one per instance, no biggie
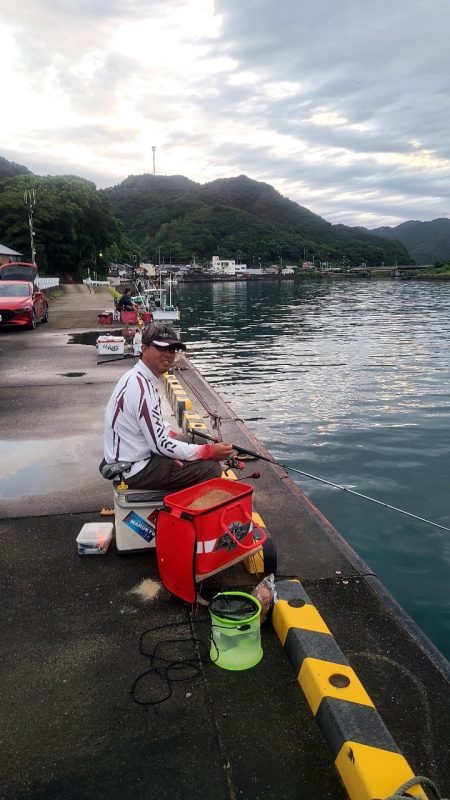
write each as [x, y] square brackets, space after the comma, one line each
[237, 462]
[234, 462]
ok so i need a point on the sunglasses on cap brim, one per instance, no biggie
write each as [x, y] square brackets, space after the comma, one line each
[167, 347]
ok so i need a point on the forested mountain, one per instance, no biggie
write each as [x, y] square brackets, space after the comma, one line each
[73, 223]
[236, 218]
[8, 169]
[147, 217]
[426, 242]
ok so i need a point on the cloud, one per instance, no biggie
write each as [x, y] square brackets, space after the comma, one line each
[342, 107]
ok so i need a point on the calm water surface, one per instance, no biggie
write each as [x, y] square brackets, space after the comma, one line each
[347, 380]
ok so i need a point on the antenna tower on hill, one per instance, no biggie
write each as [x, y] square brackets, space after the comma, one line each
[154, 159]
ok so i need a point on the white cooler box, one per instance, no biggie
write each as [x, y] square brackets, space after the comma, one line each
[111, 344]
[135, 512]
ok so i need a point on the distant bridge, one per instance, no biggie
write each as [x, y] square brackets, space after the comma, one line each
[401, 267]
[392, 269]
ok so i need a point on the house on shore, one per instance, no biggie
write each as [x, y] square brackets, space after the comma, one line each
[222, 266]
[8, 256]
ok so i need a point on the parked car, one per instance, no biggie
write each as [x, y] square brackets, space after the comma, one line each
[18, 271]
[22, 303]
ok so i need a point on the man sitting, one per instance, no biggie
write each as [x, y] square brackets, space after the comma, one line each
[125, 302]
[136, 432]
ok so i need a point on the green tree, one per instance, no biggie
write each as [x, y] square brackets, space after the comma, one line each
[73, 224]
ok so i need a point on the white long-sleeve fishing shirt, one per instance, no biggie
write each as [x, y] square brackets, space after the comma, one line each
[134, 425]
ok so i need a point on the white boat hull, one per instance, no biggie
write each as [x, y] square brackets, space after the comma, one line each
[166, 315]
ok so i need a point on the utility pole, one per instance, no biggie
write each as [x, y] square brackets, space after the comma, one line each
[29, 198]
[154, 159]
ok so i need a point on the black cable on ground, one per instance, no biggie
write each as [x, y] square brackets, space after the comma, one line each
[171, 668]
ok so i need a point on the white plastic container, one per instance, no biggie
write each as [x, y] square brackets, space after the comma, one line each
[107, 345]
[135, 511]
[94, 538]
[137, 343]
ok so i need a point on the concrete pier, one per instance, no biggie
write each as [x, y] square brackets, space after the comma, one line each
[73, 628]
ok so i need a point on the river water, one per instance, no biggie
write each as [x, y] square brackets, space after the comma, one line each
[347, 380]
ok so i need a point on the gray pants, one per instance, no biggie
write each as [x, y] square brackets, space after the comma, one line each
[162, 472]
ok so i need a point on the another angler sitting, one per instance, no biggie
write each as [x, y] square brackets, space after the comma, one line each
[125, 303]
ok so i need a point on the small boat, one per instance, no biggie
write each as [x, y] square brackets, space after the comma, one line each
[165, 313]
[154, 299]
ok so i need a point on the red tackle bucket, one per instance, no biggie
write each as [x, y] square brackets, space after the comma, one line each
[129, 317]
[220, 511]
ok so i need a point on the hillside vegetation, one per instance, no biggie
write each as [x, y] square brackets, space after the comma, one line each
[75, 229]
[236, 218]
[427, 242]
[8, 169]
[148, 217]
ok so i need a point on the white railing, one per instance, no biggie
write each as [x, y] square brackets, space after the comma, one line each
[90, 282]
[46, 283]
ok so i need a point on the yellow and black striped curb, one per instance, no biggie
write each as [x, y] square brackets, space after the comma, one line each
[190, 421]
[254, 564]
[182, 405]
[366, 756]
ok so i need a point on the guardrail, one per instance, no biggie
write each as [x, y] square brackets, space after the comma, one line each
[90, 282]
[46, 283]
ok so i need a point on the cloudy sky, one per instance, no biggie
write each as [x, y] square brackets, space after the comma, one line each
[341, 106]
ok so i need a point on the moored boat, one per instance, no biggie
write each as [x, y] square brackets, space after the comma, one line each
[166, 313]
[155, 300]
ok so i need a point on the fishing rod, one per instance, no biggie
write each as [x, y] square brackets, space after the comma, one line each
[254, 454]
[122, 358]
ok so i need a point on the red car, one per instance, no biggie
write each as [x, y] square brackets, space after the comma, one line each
[18, 271]
[22, 303]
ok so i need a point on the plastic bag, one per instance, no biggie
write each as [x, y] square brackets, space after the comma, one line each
[266, 593]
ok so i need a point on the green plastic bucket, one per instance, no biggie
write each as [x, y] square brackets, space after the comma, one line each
[235, 630]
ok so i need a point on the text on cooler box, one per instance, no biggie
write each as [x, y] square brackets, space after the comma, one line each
[142, 527]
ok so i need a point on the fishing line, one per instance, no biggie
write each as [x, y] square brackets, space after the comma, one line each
[359, 494]
[240, 449]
